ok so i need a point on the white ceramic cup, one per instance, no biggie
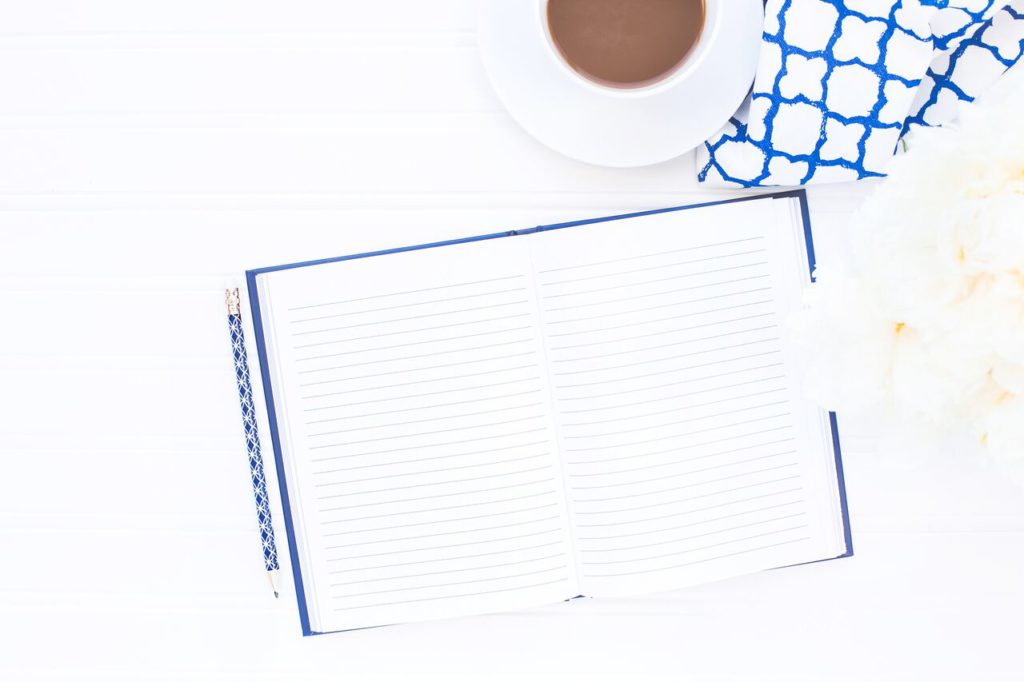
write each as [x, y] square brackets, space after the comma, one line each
[620, 126]
[691, 62]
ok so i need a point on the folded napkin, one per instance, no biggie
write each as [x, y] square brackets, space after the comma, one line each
[968, 61]
[839, 82]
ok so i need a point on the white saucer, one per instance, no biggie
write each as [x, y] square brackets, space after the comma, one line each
[618, 127]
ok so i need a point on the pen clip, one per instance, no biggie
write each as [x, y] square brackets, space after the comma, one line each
[233, 301]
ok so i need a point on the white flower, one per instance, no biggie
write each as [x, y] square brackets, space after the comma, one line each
[924, 318]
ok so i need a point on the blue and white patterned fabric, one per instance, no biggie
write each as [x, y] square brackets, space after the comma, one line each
[972, 58]
[840, 81]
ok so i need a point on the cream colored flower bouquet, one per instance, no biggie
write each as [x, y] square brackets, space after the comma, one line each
[923, 320]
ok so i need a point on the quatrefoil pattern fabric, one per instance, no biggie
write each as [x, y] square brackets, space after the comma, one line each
[970, 59]
[839, 82]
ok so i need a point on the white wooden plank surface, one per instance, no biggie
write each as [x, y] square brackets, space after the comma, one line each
[149, 152]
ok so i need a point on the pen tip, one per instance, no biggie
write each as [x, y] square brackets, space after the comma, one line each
[276, 594]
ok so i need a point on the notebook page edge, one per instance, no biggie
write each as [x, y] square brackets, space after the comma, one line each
[800, 215]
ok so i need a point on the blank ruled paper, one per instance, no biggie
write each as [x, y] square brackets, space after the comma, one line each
[604, 409]
[676, 414]
[420, 426]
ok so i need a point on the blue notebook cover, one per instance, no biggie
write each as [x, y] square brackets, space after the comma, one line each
[261, 349]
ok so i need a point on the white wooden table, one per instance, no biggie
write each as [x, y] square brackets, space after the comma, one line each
[149, 152]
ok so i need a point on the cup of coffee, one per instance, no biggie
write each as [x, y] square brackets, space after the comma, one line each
[626, 47]
[621, 82]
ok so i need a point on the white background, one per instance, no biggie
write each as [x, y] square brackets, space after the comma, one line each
[149, 153]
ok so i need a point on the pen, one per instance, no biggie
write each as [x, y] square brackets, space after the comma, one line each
[252, 439]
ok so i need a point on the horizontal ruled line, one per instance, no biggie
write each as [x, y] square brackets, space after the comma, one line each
[660, 319]
[544, 481]
[431, 549]
[669, 371]
[662, 465]
[411, 317]
[462, 582]
[633, 534]
[412, 343]
[436, 509]
[419, 395]
[674, 410]
[425, 433]
[462, 363]
[689, 537]
[655, 505]
[426, 420]
[410, 305]
[653, 255]
[507, 474]
[673, 344]
[660, 399]
[441, 521]
[700, 561]
[454, 596]
[421, 407]
[412, 331]
[652, 294]
[681, 474]
[656, 280]
[675, 383]
[430, 381]
[453, 532]
[661, 306]
[432, 471]
[696, 445]
[367, 363]
[690, 511]
[659, 478]
[451, 570]
[666, 332]
[675, 422]
[640, 363]
[428, 459]
[432, 445]
[676, 435]
[447, 558]
[404, 293]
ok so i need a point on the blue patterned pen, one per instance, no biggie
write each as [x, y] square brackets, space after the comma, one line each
[252, 438]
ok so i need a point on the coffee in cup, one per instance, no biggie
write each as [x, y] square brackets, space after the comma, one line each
[625, 44]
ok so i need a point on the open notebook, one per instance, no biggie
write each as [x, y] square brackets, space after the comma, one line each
[607, 407]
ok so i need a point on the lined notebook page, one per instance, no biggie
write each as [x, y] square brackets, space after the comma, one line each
[689, 454]
[417, 433]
